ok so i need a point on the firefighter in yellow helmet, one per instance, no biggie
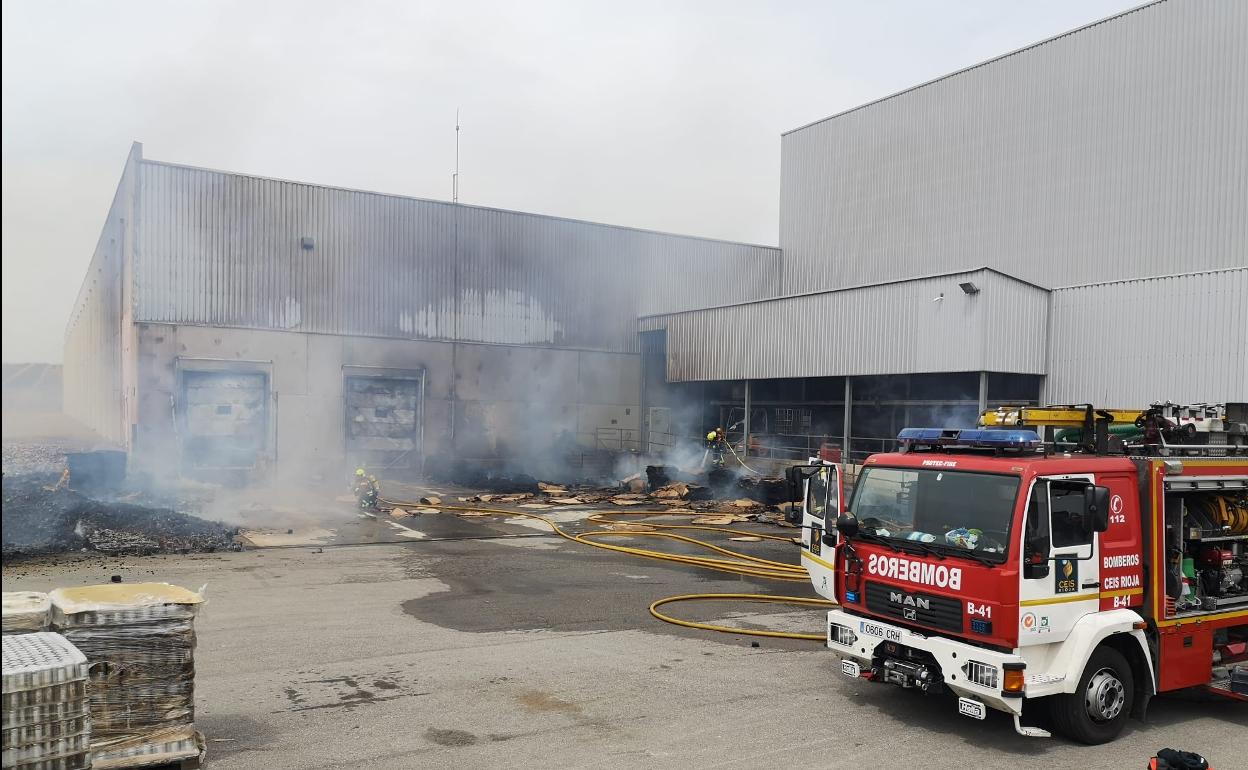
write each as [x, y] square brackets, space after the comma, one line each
[367, 490]
[715, 442]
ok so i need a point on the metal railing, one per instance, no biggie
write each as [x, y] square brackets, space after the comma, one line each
[793, 448]
[618, 439]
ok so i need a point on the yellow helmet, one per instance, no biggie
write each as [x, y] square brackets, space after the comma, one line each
[711, 436]
[359, 471]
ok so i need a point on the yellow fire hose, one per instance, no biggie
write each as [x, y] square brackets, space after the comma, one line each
[744, 598]
[737, 563]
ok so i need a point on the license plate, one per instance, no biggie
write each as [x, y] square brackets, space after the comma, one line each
[851, 668]
[883, 632]
[968, 707]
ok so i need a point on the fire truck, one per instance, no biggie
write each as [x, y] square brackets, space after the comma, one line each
[1063, 579]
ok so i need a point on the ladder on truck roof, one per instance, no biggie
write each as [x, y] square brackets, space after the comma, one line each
[1164, 428]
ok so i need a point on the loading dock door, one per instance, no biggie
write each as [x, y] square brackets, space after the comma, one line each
[383, 420]
[225, 419]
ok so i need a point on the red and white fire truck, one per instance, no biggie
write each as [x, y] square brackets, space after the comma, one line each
[1062, 582]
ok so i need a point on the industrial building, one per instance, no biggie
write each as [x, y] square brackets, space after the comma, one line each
[238, 325]
[1061, 224]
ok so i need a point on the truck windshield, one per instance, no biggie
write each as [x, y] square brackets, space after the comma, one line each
[948, 510]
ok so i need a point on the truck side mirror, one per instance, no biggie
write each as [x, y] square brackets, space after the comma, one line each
[793, 479]
[1096, 506]
[847, 525]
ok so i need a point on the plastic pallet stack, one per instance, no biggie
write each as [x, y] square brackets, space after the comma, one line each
[46, 711]
[24, 612]
[140, 641]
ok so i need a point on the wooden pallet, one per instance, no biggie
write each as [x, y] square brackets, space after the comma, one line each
[193, 762]
[190, 763]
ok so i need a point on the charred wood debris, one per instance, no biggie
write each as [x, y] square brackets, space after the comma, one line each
[661, 487]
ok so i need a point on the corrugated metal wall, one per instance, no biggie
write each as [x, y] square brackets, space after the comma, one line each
[94, 369]
[1118, 151]
[225, 249]
[895, 328]
[1183, 338]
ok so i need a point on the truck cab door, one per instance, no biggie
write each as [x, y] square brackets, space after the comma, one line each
[1060, 576]
[820, 506]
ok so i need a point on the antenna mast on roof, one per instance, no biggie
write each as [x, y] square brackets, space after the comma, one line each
[455, 176]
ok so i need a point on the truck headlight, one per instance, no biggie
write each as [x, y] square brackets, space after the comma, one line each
[842, 635]
[981, 674]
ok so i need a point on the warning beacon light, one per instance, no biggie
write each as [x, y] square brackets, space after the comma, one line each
[977, 438]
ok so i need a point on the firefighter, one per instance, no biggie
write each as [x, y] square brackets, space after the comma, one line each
[715, 442]
[367, 490]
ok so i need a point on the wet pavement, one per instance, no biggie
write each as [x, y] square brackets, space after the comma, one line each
[533, 651]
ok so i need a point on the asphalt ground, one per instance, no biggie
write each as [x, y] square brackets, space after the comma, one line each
[451, 650]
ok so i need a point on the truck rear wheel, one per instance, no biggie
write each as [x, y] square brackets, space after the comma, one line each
[1097, 711]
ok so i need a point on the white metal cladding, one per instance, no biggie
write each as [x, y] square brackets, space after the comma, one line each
[93, 389]
[1182, 338]
[1116, 151]
[896, 328]
[226, 249]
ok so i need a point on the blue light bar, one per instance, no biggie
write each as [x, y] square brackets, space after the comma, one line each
[977, 437]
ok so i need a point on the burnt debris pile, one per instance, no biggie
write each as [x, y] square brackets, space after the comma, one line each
[718, 492]
[43, 514]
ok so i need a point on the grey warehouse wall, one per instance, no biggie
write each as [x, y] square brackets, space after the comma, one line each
[226, 249]
[99, 342]
[1126, 344]
[197, 248]
[1111, 152]
[903, 327]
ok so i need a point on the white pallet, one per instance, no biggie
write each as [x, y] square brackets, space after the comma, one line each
[46, 719]
[36, 661]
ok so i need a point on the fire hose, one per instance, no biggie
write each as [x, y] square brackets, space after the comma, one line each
[736, 564]
[738, 458]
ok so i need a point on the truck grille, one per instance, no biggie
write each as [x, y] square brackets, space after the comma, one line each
[914, 606]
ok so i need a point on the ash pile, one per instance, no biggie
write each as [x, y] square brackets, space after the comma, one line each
[36, 456]
[44, 513]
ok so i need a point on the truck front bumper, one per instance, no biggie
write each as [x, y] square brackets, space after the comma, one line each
[893, 654]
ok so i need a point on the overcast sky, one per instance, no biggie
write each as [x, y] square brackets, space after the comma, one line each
[662, 115]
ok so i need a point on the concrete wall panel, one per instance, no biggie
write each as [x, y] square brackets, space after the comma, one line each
[287, 352]
[606, 378]
[513, 373]
[508, 403]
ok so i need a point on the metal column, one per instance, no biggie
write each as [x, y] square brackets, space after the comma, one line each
[644, 397]
[845, 444]
[745, 447]
[983, 392]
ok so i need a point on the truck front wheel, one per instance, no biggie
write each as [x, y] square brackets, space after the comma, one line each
[1097, 711]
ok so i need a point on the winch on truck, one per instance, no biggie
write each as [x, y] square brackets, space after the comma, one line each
[1065, 580]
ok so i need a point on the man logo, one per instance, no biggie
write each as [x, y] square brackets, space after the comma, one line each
[906, 600]
[910, 614]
